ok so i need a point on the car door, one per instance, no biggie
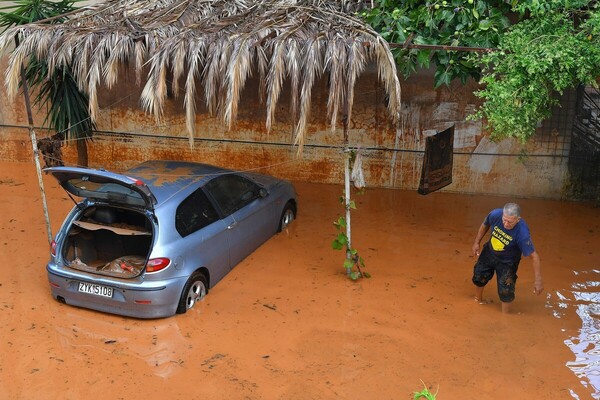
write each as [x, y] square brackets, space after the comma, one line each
[205, 237]
[246, 212]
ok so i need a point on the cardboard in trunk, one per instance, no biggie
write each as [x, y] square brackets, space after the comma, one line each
[109, 241]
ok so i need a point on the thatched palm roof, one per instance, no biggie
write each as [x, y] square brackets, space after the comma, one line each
[214, 45]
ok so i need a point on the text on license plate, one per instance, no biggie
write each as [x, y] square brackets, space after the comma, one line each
[97, 290]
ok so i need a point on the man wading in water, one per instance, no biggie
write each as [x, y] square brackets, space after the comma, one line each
[509, 239]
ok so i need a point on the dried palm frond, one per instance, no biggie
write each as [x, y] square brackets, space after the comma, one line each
[212, 74]
[237, 73]
[189, 100]
[293, 68]
[215, 45]
[335, 62]
[275, 80]
[356, 64]
[312, 70]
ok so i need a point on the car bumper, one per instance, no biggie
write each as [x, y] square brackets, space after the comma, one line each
[146, 299]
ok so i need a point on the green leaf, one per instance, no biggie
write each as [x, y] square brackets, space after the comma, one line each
[485, 24]
[447, 15]
[348, 263]
[424, 394]
[337, 245]
[423, 58]
[441, 77]
[340, 223]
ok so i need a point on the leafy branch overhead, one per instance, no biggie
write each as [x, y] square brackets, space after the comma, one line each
[536, 50]
[449, 23]
[540, 57]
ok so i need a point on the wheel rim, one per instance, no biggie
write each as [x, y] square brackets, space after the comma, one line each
[287, 218]
[195, 294]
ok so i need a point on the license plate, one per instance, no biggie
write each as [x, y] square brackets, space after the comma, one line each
[97, 290]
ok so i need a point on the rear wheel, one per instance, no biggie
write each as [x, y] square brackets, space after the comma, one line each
[194, 290]
[287, 216]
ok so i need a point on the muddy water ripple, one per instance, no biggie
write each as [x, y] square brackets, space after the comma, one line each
[583, 299]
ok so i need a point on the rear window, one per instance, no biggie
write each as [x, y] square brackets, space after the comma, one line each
[194, 213]
[104, 191]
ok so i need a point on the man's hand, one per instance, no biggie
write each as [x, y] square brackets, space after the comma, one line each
[480, 234]
[475, 249]
[538, 285]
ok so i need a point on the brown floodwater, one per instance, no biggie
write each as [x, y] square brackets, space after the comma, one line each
[286, 323]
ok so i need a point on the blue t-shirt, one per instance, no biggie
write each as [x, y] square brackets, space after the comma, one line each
[508, 244]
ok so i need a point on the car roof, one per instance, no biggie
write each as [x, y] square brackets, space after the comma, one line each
[166, 178]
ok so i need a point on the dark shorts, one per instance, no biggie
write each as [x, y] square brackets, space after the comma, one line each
[506, 273]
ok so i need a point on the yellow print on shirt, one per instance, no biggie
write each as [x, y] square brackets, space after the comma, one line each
[500, 239]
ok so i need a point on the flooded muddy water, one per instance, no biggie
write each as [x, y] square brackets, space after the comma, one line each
[286, 323]
[582, 298]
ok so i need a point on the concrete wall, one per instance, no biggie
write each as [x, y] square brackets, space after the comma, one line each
[392, 155]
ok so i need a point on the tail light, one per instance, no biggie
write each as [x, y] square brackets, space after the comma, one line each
[53, 248]
[157, 264]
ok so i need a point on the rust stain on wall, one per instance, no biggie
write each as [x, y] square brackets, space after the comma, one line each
[392, 154]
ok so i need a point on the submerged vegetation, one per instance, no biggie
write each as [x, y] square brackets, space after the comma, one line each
[424, 394]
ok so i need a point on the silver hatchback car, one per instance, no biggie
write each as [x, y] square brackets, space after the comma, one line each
[150, 242]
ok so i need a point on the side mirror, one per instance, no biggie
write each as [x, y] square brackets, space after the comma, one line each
[263, 193]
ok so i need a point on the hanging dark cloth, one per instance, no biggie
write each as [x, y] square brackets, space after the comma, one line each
[437, 161]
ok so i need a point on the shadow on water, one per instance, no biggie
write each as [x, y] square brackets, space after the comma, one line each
[583, 298]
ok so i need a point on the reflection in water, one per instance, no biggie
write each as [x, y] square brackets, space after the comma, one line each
[584, 298]
[157, 342]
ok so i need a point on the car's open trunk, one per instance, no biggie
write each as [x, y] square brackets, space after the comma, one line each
[109, 241]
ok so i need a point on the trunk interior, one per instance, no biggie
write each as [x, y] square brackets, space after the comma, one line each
[109, 241]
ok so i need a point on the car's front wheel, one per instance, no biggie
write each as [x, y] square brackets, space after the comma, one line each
[194, 290]
[287, 216]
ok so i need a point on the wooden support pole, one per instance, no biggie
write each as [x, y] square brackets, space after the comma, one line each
[36, 157]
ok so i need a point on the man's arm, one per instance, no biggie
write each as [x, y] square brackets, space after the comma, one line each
[538, 285]
[480, 234]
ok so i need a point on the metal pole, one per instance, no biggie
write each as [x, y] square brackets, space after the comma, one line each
[36, 157]
[347, 202]
[347, 186]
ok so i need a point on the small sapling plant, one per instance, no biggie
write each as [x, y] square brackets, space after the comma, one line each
[424, 394]
[353, 262]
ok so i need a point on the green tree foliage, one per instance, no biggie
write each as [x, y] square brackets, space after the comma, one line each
[540, 57]
[26, 11]
[470, 23]
[551, 45]
[66, 106]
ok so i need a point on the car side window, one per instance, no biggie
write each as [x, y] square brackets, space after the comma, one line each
[232, 192]
[194, 213]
